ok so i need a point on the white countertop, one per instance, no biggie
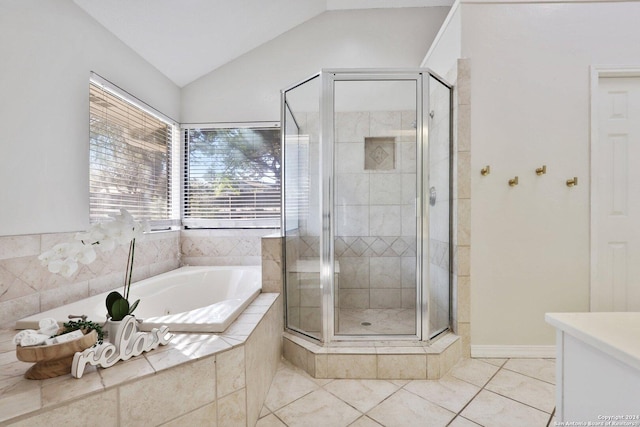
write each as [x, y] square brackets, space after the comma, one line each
[616, 334]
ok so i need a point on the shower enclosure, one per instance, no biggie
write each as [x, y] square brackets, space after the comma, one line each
[367, 205]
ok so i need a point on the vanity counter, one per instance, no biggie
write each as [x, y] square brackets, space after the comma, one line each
[597, 367]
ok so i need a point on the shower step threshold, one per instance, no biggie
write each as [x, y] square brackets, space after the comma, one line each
[392, 360]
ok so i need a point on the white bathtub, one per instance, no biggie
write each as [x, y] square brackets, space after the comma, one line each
[189, 299]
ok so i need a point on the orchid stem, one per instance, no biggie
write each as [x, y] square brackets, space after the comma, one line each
[129, 271]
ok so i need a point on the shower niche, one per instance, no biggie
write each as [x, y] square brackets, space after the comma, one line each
[367, 205]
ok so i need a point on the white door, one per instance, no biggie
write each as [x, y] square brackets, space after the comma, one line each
[616, 197]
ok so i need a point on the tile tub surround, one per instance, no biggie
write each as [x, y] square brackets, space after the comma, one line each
[26, 287]
[197, 379]
[272, 268]
[222, 246]
[393, 360]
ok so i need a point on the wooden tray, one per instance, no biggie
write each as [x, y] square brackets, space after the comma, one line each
[55, 359]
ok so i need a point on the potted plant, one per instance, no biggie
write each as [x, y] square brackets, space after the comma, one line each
[118, 304]
[64, 258]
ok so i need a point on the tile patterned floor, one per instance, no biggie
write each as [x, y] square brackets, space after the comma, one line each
[476, 392]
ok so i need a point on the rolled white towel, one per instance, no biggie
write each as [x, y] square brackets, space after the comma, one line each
[33, 339]
[48, 326]
[70, 336]
[18, 338]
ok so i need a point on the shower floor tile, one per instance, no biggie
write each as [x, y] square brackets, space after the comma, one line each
[376, 321]
[505, 397]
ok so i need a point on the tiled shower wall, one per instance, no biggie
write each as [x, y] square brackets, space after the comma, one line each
[26, 287]
[375, 244]
[375, 210]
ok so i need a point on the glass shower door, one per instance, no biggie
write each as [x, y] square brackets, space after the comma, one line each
[366, 205]
[374, 206]
[439, 191]
[301, 208]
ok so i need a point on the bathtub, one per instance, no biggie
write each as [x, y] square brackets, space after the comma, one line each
[189, 299]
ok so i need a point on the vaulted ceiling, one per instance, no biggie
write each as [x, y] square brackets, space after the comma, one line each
[186, 39]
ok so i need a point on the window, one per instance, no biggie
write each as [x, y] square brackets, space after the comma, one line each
[131, 157]
[232, 177]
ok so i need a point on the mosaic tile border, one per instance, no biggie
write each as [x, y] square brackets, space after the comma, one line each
[385, 246]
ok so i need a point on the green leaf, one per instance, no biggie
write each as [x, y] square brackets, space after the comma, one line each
[111, 298]
[133, 306]
[119, 309]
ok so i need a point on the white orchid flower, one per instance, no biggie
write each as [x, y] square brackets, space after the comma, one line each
[84, 254]
[139, 228]
[46, 257]
[63, 258]
[125, 217]
[124, 227]
[69, 267]
[93, 236]
[64, 267]
[61, 249]
[107, 244]
[118, 231]
[127, 234]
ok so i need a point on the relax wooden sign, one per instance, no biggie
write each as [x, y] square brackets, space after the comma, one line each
[127, 344]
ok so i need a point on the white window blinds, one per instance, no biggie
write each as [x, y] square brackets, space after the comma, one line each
[232, 177]
[131, 160]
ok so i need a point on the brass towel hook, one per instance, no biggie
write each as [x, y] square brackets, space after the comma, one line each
[572, 182]
[485, 170]
[513, 182]
[542, 170]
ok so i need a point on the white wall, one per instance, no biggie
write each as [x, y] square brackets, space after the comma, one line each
[530, 106]
[47, 50]
[446, 48]
[248, 88]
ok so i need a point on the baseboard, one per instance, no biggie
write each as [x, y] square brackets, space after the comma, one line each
[509, 351]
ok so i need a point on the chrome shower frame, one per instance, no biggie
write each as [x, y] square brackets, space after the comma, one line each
[328, 77]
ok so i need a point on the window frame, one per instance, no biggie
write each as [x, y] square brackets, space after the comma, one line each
[173, 153]
[208, 223]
